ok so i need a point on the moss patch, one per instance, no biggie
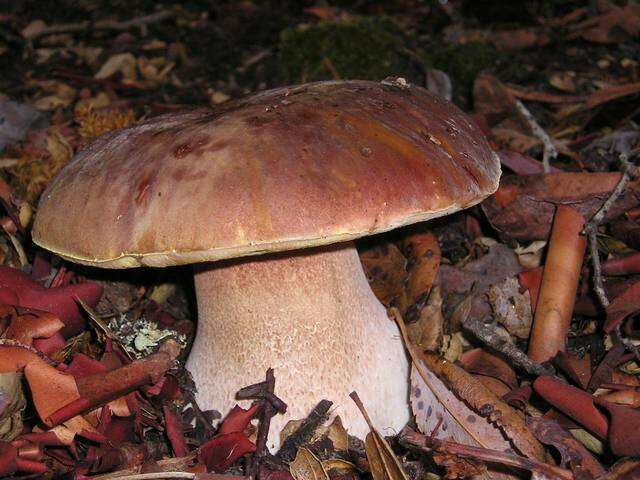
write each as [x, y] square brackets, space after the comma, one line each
[363, 48]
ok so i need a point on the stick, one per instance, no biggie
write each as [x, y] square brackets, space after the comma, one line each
[487, 334]
[548, 148]
[629, 171]
[305, 431]
[271, 405]
[559, 285]
[410, 438]
[104, 24]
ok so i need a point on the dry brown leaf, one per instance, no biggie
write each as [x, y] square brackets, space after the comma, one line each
[58, 147]
[33, 29]
[564, 81]
[382, 461]
[62, 95]
[512, 138]
[523, 206]
[530, 256]
[427, 332]
[486, 363]
[338, 435]
[384, 266]
[306, 466]
[123, 63]
[616, 25]
[339, 465]
[152, 72]
[434, 404]
[609, 94]
[511, 308]
[424, 255]
[440, 413]
[485, 402]
[12, 404]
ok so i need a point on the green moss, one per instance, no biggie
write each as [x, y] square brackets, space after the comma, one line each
[362, 48]
[462, 63]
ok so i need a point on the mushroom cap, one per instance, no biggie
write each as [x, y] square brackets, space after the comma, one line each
[289, 168]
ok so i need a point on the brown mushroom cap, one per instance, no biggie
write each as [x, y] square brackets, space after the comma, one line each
[281, 170]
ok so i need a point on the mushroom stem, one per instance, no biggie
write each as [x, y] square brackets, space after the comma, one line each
[312, 317]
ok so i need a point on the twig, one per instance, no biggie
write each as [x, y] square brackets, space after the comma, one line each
[410, 438]
[487, 334]
[157, 475]
[271, 405]
[168, 467]
[629, 171]
[169, 475]
[261, 391]
[591, 231]
[142, 21]
[548, 148]
[326, 61]
[305, 431]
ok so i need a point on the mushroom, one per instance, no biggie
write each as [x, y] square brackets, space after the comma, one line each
[265, 196]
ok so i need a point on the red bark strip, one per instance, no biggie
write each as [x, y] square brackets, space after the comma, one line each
[98, 389]
[174, 432]
[573, 402]
[559, 285]
[622, 265]
[531, 280]
[624, 432]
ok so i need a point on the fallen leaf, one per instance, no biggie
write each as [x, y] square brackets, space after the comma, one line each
[427, 332]
[511, 308]
[384, 266]
[123, 63]
[238, 419]
[573, 453]
[222, 451]
[618, 24]
[623, 305]
[440, 413]
[339, 466]
[523, 206]
[484, 401]
[174, 432]
[306, 466]
[12, 405]
[624, 429]
[423, 252]
[17, 288]
[474, 280]
[609, 94]
[485, 363]
[573, 402]
[521, 164]
[576, 369]
[564, 81]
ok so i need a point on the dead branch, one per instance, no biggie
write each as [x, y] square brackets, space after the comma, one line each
[304, 432]
[487, 334]
[409, 438]
[142, 21]
[549, 149]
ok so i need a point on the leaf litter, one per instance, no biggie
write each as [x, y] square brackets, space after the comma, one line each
[110, 398]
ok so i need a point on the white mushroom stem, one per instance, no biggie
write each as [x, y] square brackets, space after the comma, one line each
[312, 317]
